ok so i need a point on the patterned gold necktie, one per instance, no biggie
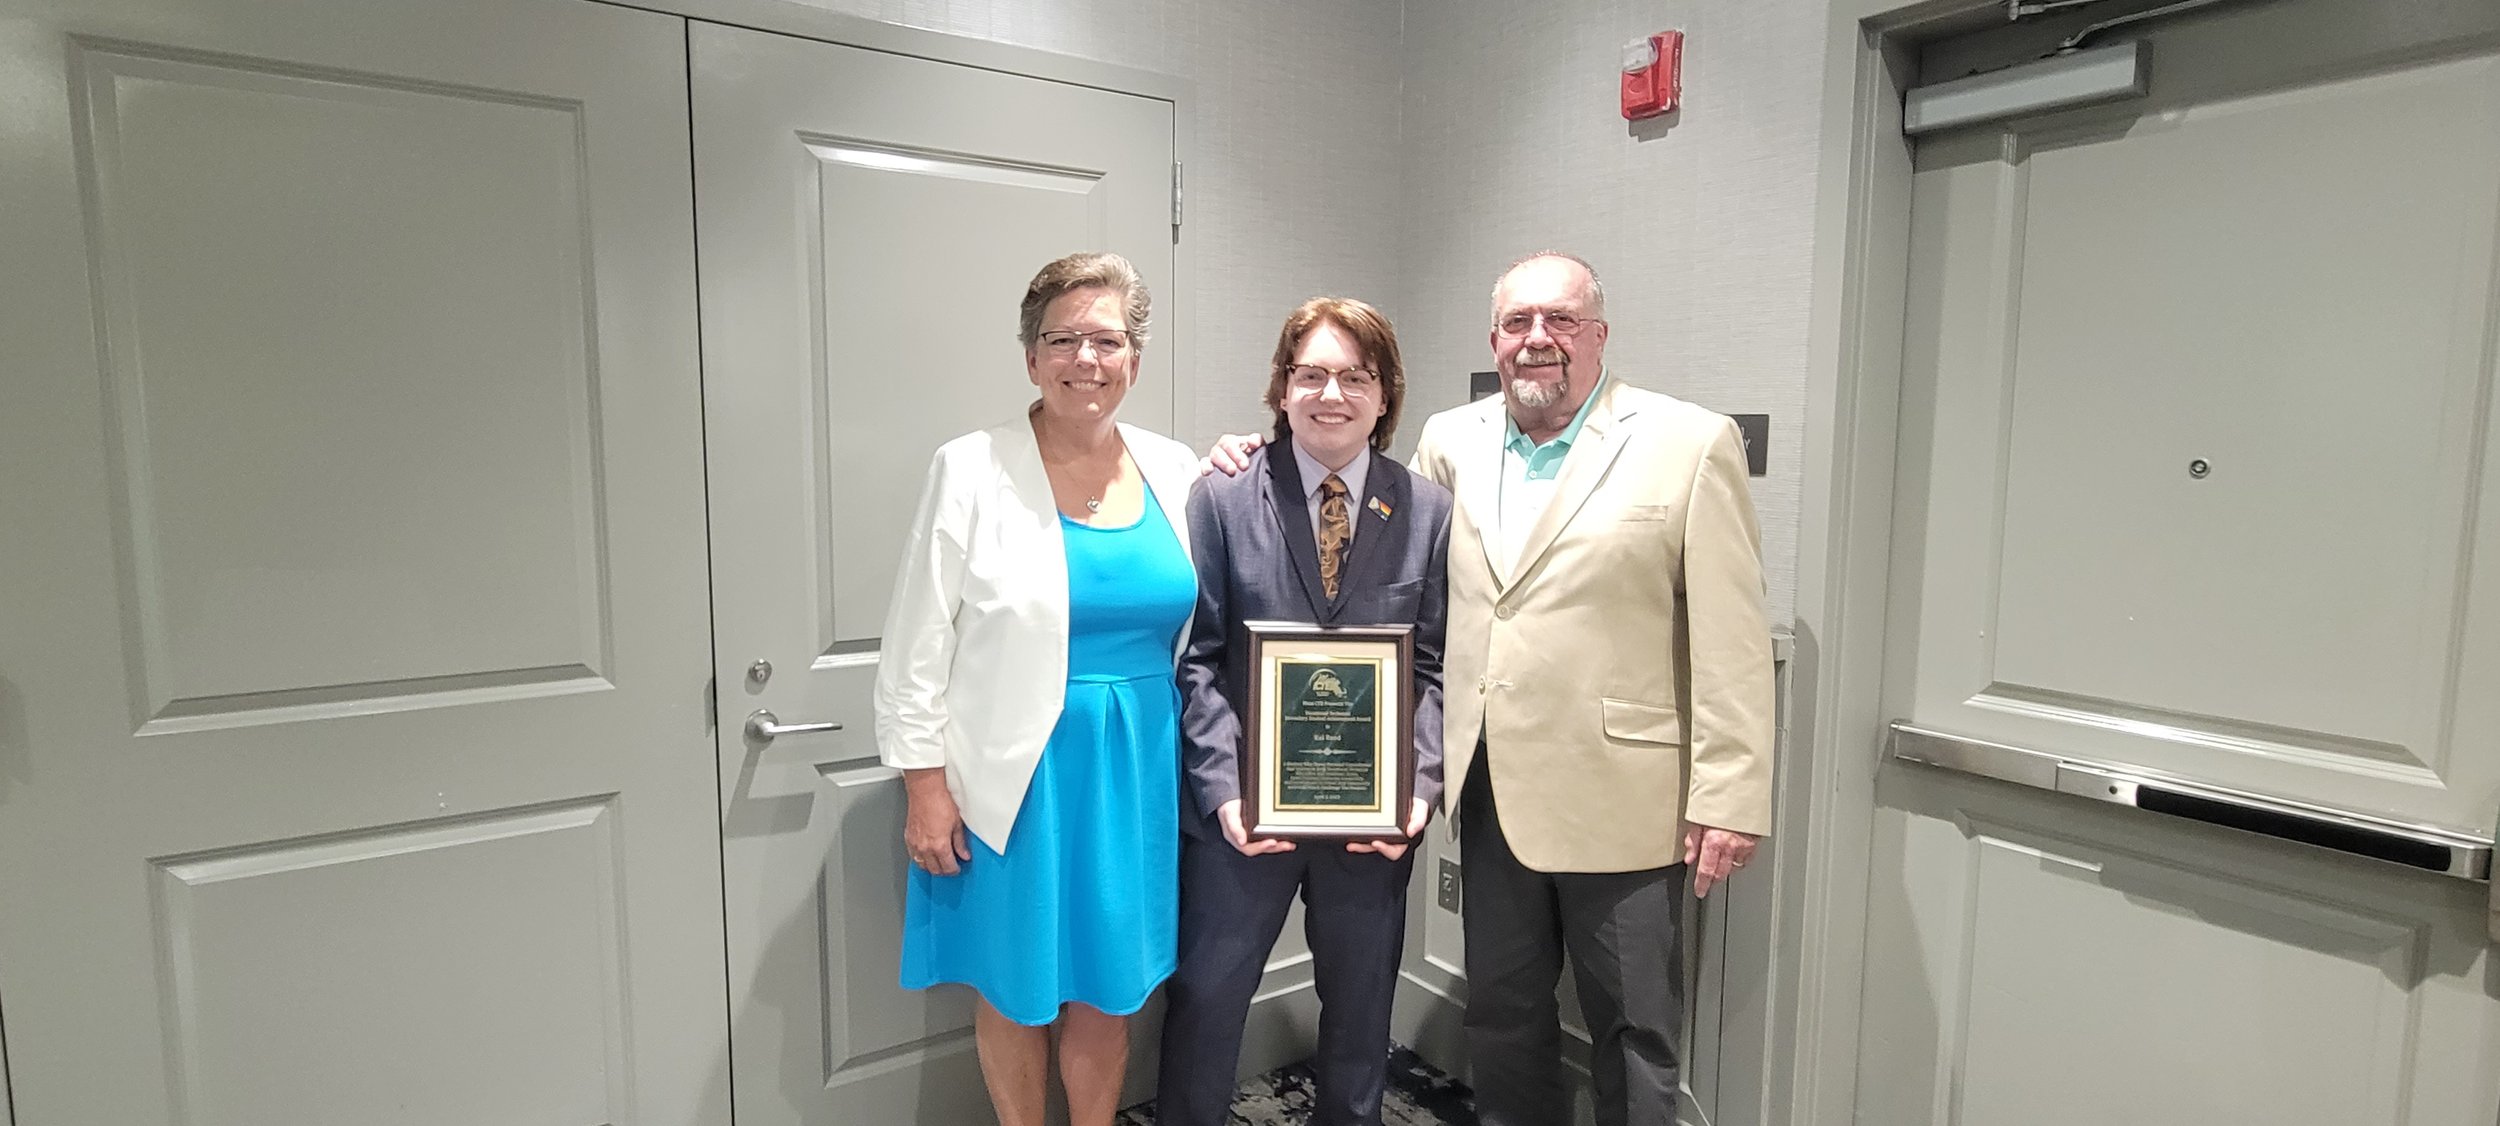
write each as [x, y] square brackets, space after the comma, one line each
[1334, 530]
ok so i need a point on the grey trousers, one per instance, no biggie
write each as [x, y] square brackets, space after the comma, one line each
[1620, 929]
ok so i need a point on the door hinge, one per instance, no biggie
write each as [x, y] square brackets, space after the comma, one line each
[1176, 193]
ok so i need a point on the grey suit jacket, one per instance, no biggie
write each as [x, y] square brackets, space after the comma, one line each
[1257, 561]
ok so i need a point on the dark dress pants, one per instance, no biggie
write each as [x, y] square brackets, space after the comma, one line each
[1232, 909]
[1620, 931]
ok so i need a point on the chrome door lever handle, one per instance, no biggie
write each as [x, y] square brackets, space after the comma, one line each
[763, 726]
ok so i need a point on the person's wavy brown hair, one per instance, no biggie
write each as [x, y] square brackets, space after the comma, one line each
[1373, 336]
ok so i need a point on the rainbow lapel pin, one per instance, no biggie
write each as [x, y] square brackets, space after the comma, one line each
[1380, 507]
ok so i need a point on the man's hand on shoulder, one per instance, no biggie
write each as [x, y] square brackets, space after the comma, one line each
[1230, 455]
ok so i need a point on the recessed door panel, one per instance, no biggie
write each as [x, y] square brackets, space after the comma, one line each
[492, 944]
[2029, 965]
[329, 500]
[917, 317]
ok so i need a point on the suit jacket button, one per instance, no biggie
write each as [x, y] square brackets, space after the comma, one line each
[1502, 612]
[1480, 683]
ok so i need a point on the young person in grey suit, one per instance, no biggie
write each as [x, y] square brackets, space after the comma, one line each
[1322, 527]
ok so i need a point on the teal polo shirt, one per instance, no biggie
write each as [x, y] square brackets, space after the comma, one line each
[1530, 473]
[1525, 461]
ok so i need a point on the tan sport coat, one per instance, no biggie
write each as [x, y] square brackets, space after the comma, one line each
[1621, 677]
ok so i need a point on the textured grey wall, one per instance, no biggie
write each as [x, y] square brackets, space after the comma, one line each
[1294, 188]
[1404, 150]
[1701, 227]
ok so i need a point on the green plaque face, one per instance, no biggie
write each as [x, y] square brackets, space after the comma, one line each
[1328, 730]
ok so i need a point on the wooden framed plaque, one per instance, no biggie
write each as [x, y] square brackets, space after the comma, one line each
[1328, 749]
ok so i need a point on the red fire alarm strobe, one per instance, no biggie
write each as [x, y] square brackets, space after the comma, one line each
[1652, 74]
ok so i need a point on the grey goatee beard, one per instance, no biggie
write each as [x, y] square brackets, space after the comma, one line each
[1538, 396]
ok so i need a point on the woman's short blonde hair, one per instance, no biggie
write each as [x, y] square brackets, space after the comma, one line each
[1094, 269]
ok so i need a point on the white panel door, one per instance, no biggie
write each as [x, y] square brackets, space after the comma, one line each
[868, 222]
[352, 730]
[2199, 479]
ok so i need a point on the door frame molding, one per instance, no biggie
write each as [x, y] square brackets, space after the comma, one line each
[1853, 391]
[8, 1094]
[1173, 339]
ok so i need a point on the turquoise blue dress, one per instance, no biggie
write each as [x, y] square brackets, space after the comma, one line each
[1085, 903]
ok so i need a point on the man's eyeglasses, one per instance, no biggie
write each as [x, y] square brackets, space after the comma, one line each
[1107, 345]
[1556, 324]
[1354, 383]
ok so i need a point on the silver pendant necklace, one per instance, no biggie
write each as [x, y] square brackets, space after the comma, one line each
[1093, 504]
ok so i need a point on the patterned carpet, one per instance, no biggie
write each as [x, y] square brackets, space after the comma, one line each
[1419, 1095]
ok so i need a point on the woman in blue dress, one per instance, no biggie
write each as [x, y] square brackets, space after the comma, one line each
[1026, 693]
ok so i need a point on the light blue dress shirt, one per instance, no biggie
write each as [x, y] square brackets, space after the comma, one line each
[1355, 473]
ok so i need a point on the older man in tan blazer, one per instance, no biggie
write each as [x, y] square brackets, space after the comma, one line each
[1608, 696]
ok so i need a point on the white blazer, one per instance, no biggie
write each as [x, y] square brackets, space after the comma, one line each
[975, 660]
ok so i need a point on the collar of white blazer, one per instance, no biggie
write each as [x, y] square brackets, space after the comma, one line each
[1593, 451]
[974, 659]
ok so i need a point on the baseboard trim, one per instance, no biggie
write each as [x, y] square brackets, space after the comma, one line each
[1428, 1018]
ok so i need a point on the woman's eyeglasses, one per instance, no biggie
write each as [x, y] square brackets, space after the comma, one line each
[1106, 345]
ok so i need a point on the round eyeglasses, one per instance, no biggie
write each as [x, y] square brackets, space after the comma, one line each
[1353, 383]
